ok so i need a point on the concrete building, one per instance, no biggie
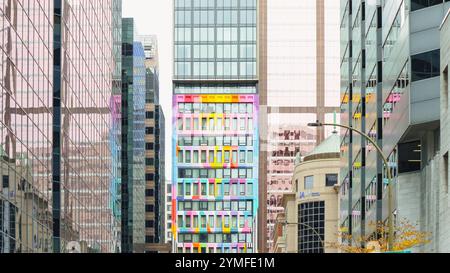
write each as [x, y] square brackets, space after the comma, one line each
[302, 86]
[442, 189]
[310, 221]
[215, 193]
[395, 55]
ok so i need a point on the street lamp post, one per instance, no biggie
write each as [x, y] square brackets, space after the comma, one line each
[389, 175]
[309, 227]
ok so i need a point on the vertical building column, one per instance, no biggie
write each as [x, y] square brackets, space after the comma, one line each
[320, 63]
[56, 149]
[263, 123]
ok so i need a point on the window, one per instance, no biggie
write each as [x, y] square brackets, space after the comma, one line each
[250, 157]
[149, 192]
[149, 130]
[409, 157]
[331, 180]
[195, 157]
[149, 146]
[211, 156]
[188, 157]
[421, 4]
[188, 189]
[203, 156]
[150, 161]
[426, 65]
[309, 182]
[446, 184]
[311, 230]
[180, 189]
[445, 88]
[203, 189]
[227, 156]
[149, 208]
[149, 224]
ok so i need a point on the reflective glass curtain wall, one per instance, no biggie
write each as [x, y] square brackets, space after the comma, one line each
[86, 167]
[133, 140]
[84, 120]
[26, 83]
[302, 87]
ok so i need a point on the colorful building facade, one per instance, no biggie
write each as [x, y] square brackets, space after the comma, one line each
[215, 177]
[216, 159]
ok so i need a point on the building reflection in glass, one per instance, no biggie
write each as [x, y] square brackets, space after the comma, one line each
[26, 84]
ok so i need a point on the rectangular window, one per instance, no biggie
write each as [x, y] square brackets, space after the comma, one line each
[331, 180]
[211, 156]
[219, 156]
[311, 230]
[188, 156]
[250, 157]
[309, 182]
[421, 4]
[203, 189]
[446, 183]
[211, 190]
[409, 157]
[227, 156]
[203, 156]
[188, 123]
[235, 157]
[195, 157]
[426, 65]
[195, 190]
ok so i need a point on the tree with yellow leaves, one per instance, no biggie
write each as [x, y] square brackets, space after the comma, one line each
[406, 237]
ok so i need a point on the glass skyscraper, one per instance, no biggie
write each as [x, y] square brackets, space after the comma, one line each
[302, 87]
[133, 140]
[216, 134]
[55, 126]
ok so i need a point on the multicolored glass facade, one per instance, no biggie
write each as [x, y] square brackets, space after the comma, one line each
[216, 165]
[216, 137]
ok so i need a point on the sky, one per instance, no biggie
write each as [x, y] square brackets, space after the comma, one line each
[154, 17]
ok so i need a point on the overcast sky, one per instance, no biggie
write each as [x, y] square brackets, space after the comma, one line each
[155, 17]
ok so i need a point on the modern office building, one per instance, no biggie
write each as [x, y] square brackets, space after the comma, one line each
[302, 85]
[390, 53]
[133, 141]
[310, 221]
[216, 137]
[154, 152]
[116, 125]
[444, 197]
[56, 87]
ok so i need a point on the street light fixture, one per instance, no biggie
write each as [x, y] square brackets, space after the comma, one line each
[286, 223]
[389, 175]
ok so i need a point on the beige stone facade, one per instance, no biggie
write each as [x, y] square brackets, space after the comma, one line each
[311, 210]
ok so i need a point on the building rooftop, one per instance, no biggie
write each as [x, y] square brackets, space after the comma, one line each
[329, 148]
